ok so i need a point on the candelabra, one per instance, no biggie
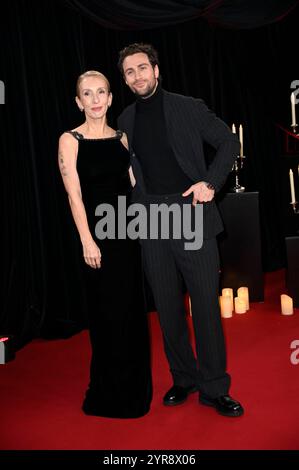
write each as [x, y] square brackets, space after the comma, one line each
[295, 207]
[237, 167]
[295, 223]
[294, 129]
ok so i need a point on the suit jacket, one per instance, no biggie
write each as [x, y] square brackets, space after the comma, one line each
[189, 123]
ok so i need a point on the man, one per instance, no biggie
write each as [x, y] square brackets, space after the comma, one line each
[165, 133]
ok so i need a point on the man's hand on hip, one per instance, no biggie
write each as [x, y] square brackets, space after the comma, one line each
[201, 192]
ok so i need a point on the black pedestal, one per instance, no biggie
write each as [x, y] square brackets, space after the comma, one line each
[292, 272]
[240, 244]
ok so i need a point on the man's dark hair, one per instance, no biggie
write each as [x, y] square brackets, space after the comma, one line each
[134, 49]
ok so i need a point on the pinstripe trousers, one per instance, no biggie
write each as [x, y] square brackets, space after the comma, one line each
[168, 265]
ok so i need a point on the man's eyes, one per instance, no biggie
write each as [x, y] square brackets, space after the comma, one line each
[142, 67]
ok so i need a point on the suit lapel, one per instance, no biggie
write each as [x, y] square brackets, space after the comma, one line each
[174, 126]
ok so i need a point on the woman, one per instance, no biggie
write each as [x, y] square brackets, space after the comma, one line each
[95, 168]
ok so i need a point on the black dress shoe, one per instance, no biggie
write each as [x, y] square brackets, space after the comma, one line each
[178, 394]
[225, 405]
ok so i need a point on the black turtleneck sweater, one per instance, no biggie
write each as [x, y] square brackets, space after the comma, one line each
[161, 171]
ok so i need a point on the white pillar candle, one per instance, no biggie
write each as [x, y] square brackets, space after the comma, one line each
[226, 306]
[244, 294]
[286, 305]
[293, 109]
[293, 197]
[241, 139]
[234, 129]
[228, 291]
[240, 305]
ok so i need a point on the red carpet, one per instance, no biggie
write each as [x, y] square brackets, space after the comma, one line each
[42, 389]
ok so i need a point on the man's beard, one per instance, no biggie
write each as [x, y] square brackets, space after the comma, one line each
[147, 93]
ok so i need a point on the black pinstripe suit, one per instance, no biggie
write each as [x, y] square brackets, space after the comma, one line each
[189, 123]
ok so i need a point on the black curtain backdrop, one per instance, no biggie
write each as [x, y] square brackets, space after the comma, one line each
[147, 14]
[243, 73]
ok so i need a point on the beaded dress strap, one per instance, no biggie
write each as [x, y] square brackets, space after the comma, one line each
[76, 134]
[119, 134]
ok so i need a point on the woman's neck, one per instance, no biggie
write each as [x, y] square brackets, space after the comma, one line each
[96, 129]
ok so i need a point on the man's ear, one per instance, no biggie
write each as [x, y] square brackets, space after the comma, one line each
[156, 71]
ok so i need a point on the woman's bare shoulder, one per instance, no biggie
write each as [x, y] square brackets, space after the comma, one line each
[124, 140]
[69, 137]
[68, 143]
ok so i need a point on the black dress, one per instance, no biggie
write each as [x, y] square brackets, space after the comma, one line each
[120, 376]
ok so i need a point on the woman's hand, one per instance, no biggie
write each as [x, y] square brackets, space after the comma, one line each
[92, 254]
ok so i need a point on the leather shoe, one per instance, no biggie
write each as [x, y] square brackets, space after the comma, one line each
[178, 394]
[224, 405]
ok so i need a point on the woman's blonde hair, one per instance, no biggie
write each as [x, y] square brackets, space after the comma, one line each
[91, 73]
